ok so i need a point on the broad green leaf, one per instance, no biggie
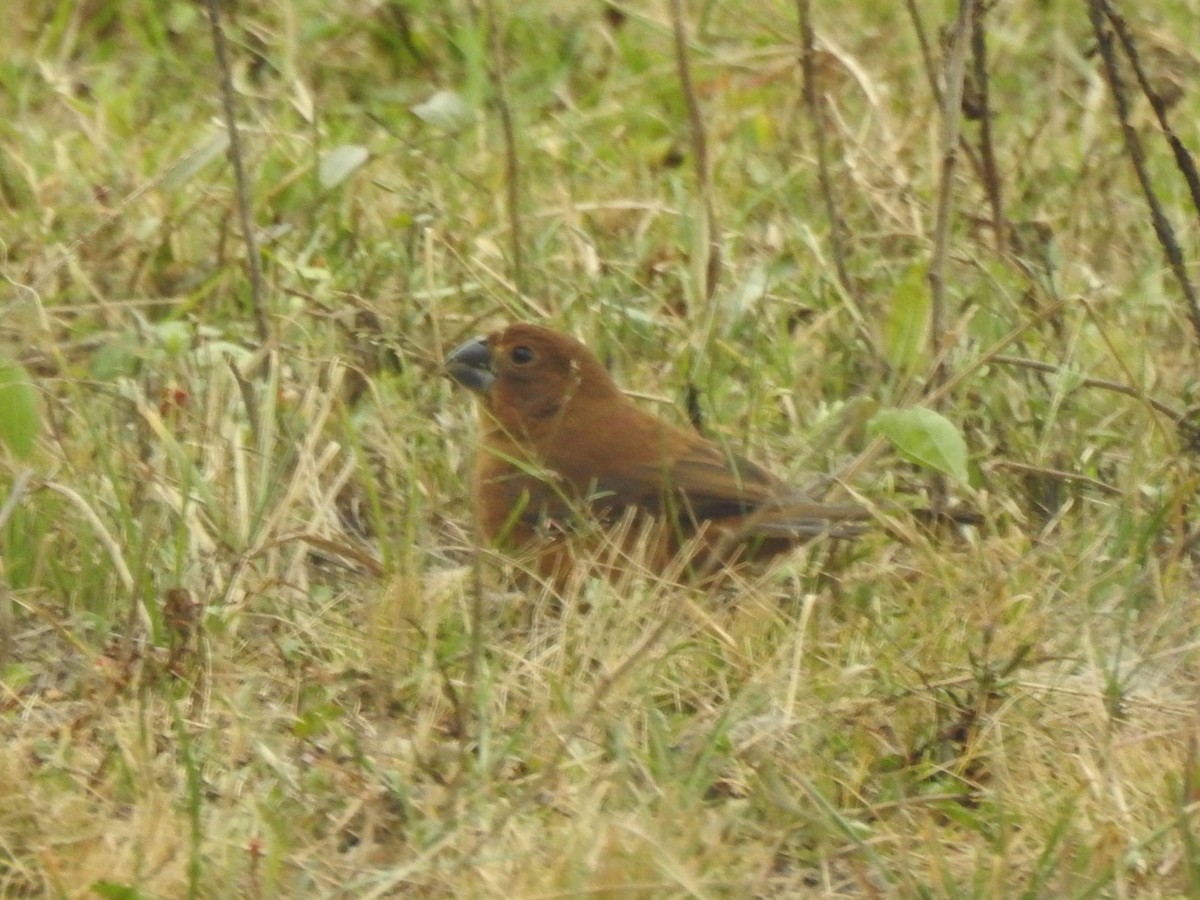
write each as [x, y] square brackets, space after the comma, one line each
[20, 419]
[906, 329]
[340, 163]
[924, 437]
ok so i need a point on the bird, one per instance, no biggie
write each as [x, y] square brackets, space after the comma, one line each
[563, 453]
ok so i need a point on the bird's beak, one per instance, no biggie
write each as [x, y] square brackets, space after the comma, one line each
[470, 364]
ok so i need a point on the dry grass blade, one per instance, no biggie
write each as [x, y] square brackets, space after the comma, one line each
[248, 646]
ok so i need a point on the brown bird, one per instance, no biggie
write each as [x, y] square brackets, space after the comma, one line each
[563, 449]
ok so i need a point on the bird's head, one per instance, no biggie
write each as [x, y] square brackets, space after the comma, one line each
[528, 371]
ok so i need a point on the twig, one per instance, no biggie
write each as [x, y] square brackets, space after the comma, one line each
[955, 74]
[991, 173]
[1058, 475]
[926, 53]
[239, 170]
[1098, 11]
[1183, 158]
[837, 226]
[1101, 383]
[712, 265]
[512, 162]
[931, 75]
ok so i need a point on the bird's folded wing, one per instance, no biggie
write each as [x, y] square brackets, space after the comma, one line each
[708, 484]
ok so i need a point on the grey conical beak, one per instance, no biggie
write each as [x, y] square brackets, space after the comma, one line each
[470, 364]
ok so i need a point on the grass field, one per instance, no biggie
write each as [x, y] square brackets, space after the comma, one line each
[247, 645]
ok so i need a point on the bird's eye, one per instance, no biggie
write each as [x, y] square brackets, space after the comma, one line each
[521, 355]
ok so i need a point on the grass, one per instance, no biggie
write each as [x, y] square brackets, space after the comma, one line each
[247, 648]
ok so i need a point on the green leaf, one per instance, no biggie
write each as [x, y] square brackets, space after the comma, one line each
[906, 329]
[20, 420]
[340, 163]
[924, 437]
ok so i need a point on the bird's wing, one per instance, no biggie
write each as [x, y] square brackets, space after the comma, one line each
[703, 483]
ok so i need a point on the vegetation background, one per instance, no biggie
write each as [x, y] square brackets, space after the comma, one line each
[247, 648]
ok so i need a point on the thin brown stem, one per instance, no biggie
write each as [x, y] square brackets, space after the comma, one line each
[952, 92]
[931, 75]
[1057, 475]
[1183, 158]
[812, 101]
[1099, 383]
[1099, 11]
[955, 74]
[241, 183]
[926, 54]
[712, 265]
[983, 112]
[512, 161]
